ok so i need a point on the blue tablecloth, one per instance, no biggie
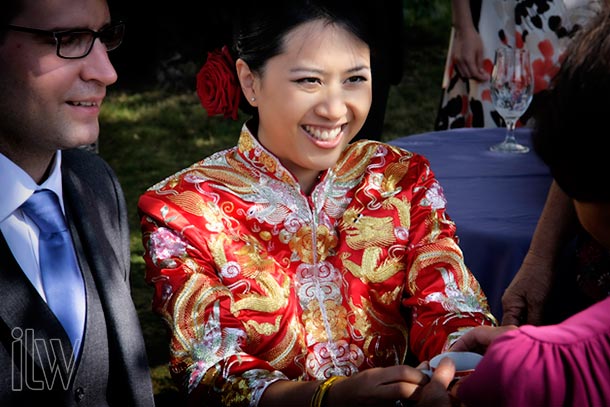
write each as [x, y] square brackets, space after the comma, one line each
[494, 198]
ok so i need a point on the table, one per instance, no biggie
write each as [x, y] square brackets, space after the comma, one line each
[495, 199]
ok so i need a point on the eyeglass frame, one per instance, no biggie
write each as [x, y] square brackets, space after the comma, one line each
[57, 35]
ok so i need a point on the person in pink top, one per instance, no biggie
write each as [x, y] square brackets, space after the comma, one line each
[567, 364]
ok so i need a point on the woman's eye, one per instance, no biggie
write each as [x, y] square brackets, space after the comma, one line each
[355, 79]
[306, 81]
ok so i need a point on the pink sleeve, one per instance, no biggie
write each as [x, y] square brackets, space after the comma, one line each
[565, 364]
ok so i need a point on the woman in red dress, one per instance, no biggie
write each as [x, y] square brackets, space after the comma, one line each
[296, 260]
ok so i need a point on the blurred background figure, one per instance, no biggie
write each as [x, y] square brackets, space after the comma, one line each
[545, 28]
[537, 293]
[564, 364]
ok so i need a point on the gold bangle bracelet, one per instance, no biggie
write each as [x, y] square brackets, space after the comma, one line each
[317, 400]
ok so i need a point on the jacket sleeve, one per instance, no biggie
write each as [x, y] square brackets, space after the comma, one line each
[209, 356]
[442, 295]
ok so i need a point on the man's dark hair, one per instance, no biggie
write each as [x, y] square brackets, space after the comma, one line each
[9, 9]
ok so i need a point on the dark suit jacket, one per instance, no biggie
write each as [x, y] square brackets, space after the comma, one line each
[112, 369]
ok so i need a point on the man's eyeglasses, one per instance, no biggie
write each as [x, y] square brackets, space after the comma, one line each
[75, 44]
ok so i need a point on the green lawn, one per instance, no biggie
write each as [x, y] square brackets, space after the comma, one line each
[149, 134]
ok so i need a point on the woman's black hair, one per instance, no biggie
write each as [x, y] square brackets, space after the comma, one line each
[259, 28]
[570, 127]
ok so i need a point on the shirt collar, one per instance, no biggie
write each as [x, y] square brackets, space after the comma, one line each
[17, 185]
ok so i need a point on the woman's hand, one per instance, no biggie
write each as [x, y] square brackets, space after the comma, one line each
[378, 387]
[434, 394]
[381, 386]
[479, 338]
[468, 55]
[524, 298]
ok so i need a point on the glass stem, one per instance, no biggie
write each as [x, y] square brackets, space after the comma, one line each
[510, 131]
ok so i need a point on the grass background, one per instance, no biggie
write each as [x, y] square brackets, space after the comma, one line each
[151, 132]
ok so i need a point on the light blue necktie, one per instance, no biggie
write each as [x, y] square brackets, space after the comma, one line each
[61, 277]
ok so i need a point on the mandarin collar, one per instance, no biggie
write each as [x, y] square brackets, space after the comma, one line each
[263, 160]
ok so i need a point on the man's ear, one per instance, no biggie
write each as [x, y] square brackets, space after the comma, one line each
[247, 80]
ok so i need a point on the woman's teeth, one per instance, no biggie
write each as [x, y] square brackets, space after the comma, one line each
[323, 134]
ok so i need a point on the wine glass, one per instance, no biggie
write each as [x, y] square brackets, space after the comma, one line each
[512, 87]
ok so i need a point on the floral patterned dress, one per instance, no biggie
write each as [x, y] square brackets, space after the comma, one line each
[259, 282]
[543, 27]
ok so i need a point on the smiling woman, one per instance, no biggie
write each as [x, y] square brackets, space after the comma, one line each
[312, 98]
[295, 261]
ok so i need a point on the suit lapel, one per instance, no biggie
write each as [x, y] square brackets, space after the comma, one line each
[93, 227]
[28, 323]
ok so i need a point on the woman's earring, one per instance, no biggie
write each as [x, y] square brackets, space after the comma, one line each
[252, 99]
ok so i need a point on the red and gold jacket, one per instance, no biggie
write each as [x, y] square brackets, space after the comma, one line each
[260, 282]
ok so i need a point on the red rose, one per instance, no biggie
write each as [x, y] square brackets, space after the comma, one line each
[217, 85]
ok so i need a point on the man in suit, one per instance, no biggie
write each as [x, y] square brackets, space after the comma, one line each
[69, 332]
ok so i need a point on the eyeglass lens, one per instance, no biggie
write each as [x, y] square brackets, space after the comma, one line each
[77, 44]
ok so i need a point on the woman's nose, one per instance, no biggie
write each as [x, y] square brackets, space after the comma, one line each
[332, 105]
